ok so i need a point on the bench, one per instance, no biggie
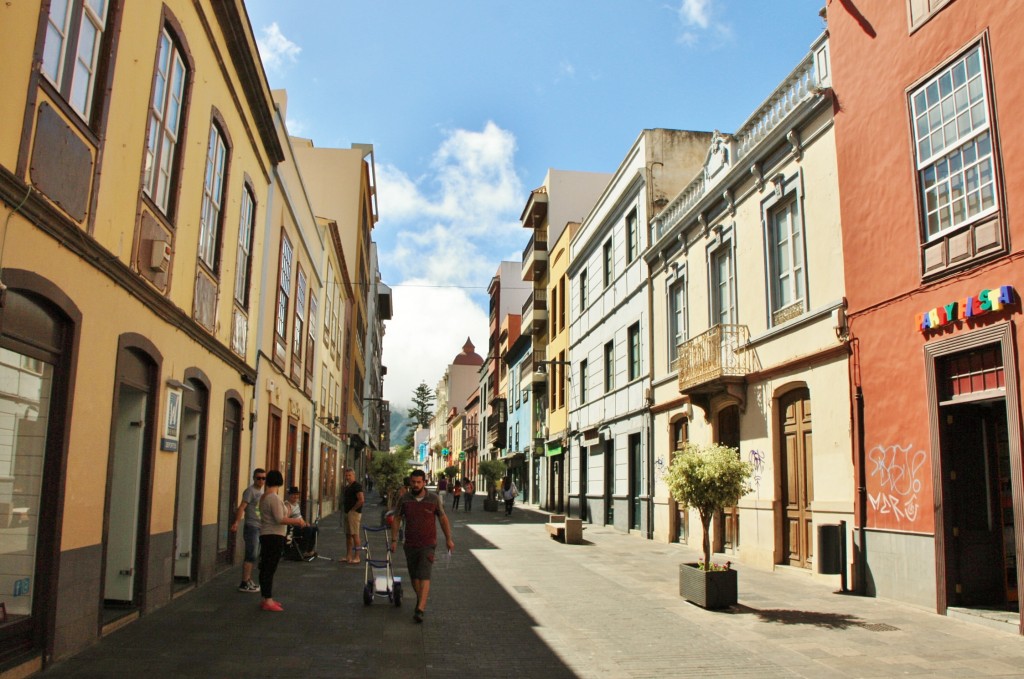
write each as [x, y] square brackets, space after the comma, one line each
[568, 530]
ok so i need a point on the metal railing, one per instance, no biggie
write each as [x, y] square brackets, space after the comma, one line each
[718, 352]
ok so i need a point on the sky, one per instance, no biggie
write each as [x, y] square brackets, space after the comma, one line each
[468, 103]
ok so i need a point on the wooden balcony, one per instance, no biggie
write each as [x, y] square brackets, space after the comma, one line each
[535, 257]
[716, 362]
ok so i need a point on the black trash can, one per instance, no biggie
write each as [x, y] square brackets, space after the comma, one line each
[830, 549]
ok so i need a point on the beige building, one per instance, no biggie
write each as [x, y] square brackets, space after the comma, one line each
[748, 330]
[134, 195]
[342, 188]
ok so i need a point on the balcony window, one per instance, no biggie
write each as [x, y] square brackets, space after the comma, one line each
[72, 50]
[165, 122]
[583, 381]
[607, 263]
[213, 200]
[723, 300]
[634, 351]
[632, 237]
[583, 291]
[676, 318]
[788, 274]
[609, 366]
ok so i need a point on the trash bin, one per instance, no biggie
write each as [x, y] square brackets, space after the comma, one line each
[830, 549]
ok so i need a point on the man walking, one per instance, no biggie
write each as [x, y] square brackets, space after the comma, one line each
[353, 506]
[249, 508]
[419, 508]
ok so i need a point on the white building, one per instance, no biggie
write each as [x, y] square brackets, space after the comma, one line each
[608, 334]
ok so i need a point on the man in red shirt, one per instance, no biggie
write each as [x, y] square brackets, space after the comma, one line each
[420, 508]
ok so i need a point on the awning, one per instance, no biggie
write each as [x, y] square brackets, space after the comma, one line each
[355, 442]
[510, 456]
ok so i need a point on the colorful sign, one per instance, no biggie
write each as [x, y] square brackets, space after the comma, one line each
[990, 299]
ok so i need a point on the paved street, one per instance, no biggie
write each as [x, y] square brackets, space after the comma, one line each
[514, 603]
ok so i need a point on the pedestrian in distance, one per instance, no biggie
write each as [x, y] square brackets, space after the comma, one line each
[422, 511]
[274, 522]
[353, 500]
[249, 509]
[442, 486]
[468, 491]
[456, 494]
[509, 493]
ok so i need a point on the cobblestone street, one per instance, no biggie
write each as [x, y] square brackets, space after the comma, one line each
[514, 603]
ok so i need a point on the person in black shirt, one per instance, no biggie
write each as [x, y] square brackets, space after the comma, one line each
[353, 506]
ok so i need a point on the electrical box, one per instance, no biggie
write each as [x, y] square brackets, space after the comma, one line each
[159, 255]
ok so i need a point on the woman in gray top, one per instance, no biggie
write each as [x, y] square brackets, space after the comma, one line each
[274, 522]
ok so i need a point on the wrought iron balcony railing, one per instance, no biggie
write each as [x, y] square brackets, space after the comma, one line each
[716, 353]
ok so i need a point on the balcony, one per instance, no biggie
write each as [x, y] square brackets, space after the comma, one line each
[716, 362]
[535, 314]
[535, 257]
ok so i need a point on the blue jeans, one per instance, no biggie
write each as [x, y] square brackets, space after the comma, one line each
[251, 536]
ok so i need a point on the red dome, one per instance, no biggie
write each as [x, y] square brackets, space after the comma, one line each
[468, 356]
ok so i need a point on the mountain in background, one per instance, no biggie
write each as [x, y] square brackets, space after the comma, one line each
[400, 425]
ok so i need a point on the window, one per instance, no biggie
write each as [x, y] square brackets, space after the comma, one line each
[608, 263]
[922, 10]
[563, 379]
[71, 53]
[554, 313]
[243, 258]
[213, 199]
[723, 308]
[283, 292]
[631, 237]
[634, 351]
[300, 315]
[583, 291]
[676, 318]
[953, 144]
[583, 381]
[164, 127]
[561, 303]
[329, 308]
[609, 366]
[787, 261]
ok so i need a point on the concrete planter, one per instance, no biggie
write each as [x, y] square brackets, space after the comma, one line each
[709, 589]
[491, 505]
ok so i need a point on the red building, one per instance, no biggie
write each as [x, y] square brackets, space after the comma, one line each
[931, 163]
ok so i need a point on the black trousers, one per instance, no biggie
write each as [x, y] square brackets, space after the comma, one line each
[271, 549]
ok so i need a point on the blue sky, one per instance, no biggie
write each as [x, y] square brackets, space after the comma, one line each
[469, 102]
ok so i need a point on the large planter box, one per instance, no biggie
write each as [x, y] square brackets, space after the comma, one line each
[491, 505]
[710, 589]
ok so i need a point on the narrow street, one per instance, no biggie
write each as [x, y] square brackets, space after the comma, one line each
[514, 603]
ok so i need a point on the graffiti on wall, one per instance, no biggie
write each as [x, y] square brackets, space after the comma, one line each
[897, 474]
[756, 459]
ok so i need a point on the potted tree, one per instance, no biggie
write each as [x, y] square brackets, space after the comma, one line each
[708, 478]
[389, 471]
[492, 471]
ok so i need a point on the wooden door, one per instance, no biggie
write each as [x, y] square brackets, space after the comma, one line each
[797, 480]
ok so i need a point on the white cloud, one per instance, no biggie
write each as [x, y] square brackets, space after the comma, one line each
[567, 69]
[698, 18]
[452, 226]
[426, 332]
[276, 49]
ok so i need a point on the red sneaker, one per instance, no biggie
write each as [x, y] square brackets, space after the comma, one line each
[272, 606]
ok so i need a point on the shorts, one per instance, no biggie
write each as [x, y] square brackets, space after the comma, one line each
[251, 536]
[420, 561]
[352, 521]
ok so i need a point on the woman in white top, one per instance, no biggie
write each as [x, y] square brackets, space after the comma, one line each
[274, 522]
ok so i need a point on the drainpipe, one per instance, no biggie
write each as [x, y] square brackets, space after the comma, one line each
[862, 496]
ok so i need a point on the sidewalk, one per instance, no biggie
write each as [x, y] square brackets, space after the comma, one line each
[514, 603]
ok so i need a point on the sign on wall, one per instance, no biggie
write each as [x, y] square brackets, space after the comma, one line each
[983, 302]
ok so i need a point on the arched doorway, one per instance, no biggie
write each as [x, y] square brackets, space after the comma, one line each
[797, 475]
[191, 468]
[36, 359]
[227, 496]
[727, 525]
[126, 533]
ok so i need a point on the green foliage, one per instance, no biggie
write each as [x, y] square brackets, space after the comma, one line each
[492, 471]
[708, 478]
[389, 471]
[423, 404]
[451, 471]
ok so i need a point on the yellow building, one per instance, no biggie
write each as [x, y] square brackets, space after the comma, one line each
[133, 193]
[289, 292]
